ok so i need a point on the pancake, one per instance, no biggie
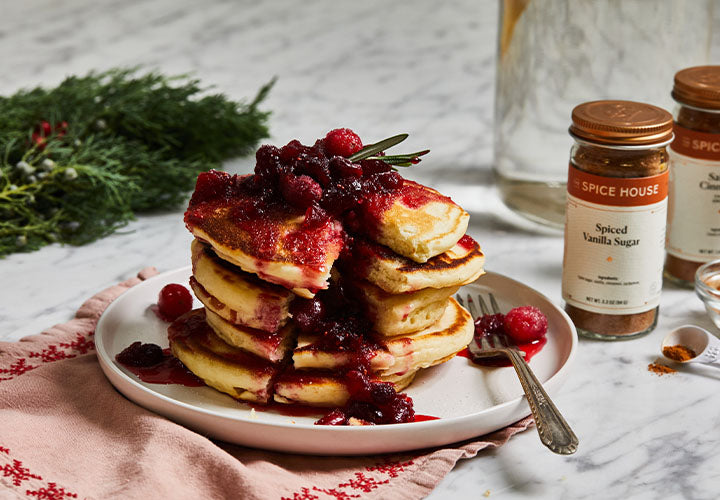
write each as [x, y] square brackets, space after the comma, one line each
[418, 222]
[237, 296]
[272, 242]
[306, 355]
[401, 313]
[270, 346]
[400, 354]
[323, 389]
[460, 265]
[432, 346]
[226, 368]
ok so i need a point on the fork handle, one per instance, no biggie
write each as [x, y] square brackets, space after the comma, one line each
[555, 433]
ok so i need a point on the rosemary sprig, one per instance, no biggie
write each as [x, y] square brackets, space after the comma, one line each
[377, 147]
[405, 160]
[370, 152]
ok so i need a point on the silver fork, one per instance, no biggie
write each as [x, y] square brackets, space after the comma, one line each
[554, 431]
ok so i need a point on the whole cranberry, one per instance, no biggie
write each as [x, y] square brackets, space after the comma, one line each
[525, 324]
[308, 314]
[342, 142]
[291, 151]
[382, 392]
[342, 168]
[365, 411]
[335, 417]
[490, 324]
[401, 410]
[174, 300]
[300, 191]
[211, 185]
[372, 167]
[139, 354]
[267, 163]
[389, 181]
[358, 384]
[312, 162]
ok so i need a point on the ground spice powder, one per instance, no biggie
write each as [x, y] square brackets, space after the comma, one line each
[660, 369]
[678, 352]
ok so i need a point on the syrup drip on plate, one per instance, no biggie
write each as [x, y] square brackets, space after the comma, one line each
[168, 371]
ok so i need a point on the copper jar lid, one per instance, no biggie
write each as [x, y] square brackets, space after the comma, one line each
[698, 86]
[622, 123]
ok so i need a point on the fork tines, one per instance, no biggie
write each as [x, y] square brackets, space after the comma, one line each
[483, 305]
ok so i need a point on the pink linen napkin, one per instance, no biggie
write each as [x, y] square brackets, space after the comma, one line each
[66, 433]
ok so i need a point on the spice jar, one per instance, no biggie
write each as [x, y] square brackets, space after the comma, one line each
[693, 233]
[615, 218]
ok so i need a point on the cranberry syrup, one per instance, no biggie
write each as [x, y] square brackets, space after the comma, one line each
[530, 350]
[522, 327]
[154, 365]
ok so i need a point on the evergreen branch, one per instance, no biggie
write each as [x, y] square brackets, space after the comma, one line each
[80, 159]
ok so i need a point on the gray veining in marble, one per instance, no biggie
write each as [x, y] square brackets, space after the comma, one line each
[422, 67]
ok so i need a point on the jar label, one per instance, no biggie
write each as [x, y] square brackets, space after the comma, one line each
[614, 239]
[694, 211]
[696, 144]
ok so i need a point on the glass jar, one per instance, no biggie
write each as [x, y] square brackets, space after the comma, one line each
[616, 215]
[693, 235]
[554, 54]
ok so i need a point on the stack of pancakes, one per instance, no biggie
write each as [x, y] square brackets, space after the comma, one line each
[405, 263]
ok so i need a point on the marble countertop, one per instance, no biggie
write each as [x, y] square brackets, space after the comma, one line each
[380, 68]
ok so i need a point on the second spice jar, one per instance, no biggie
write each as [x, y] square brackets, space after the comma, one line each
[615, 219]
[694, 212]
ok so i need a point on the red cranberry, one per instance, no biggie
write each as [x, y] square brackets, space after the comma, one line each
[291, 151]
[490, 324]
[342, 142]
[174, 301]
[401, 409]
[211, 185]
[389, 180]
[358, 383]
[315, 217]
[372, 167]
[525, 324]
[308, 313]
[335, 417]
[365, 411]
[312, 162]
[139, 354]
[301, 192]
[382, 392]
[342, 168]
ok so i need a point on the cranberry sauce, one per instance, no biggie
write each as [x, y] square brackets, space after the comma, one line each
[371, 402]
[530, 350]
[154, 365]
[317, 182]
[523, 327]
[424, 418]
[339, 324]
[345, 329]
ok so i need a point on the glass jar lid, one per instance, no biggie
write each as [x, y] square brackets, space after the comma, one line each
[698, 86]
[622, 123]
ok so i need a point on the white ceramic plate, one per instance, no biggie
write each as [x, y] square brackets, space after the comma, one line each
[470, 400]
